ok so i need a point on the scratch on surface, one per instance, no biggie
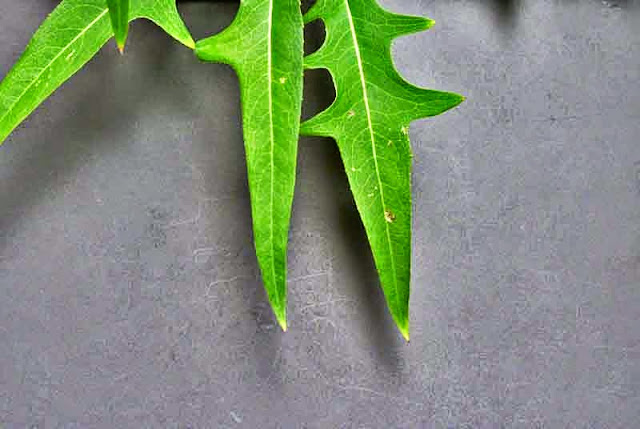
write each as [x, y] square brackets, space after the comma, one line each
[367, 390]
[277, 359]
[309, 276]
[562, 118]
[203, 252]
[373, 392]
[326, 319]
[229, 280]
[195, 219]
[328, 302]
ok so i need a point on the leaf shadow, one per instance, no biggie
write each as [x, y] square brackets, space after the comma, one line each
[505, 14]
[222, 165]
[377, 324]
[98, 114]
[353, 247]
[258, 324]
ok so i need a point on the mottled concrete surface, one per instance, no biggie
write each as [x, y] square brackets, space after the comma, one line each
[130, 292]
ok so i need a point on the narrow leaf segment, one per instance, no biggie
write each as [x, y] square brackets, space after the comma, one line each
[370, 120]
[264, 46]
[119, 12]
[73, 33]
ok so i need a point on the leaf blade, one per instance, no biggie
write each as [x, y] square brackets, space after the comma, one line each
[264, 46]
[369, 120]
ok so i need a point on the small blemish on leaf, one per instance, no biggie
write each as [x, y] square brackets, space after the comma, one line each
[353, 169]
[389, 216]
[283, 80]
[351, 114]
[71, 54]
[390, 143]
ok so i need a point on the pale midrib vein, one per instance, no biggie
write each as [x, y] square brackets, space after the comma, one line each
[45, 68]
[372, 137]
[272, 142]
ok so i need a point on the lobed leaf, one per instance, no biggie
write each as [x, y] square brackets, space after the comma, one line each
[264, 46]
[370, 120]
[68, 39]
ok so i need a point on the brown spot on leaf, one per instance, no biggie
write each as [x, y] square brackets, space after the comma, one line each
[389, 216]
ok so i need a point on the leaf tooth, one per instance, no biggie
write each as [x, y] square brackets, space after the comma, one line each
[426, 102]
[402, 25]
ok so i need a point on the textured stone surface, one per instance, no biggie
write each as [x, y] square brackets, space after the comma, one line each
[130, 295]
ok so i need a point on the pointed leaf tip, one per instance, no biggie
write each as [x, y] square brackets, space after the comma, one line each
[283, 325]
[281, 317]
[279, 308]
[406, 24]
[119, 13]
[405, 333]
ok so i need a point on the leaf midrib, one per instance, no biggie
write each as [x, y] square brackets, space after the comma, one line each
[365, 94]
[272, 143]
[53, 60]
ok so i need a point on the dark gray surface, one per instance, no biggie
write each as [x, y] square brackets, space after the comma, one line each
[129, 286]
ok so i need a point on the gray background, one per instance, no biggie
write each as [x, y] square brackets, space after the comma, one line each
[129, 288]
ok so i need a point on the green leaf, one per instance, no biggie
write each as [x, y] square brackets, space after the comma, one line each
[164, 14]
[119, 12]
[264, 46]
[68, 39]
[370, 121]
